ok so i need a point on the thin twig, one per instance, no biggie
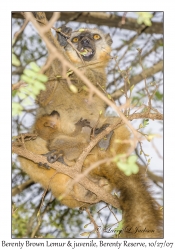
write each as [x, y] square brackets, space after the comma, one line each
[18, 189]
[96, 227]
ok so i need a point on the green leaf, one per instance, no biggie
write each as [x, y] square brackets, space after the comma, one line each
[27, 102]
[119, 156]
[132, 159]
[150, 137]
[145, 122]
[159, 96]
[131, 88]
[26, 79]
[119, 228]
[30, 73]
[73, 88]
[42, 78]
[21, 95]
[33, 91]
[144, 17]
[140, 126]
[85, 234]
[39, 85]
[34, 75]
[85, 226]
[14, 92]
[129, 166]
[30, 92]
[69, 72]
[13, 41]
[16, 108]
[34, 66]
[15, 60]
[84, 52]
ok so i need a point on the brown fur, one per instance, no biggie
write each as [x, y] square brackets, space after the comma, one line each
[48, 127]
[141, 214]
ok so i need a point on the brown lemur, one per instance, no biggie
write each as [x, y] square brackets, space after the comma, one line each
[139, 208]
[69, 105]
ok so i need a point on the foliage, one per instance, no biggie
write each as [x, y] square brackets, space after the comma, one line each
[15, 60]
[20, 218]
[119, 228]
[35, 83]
[144, 17]
[127, 165]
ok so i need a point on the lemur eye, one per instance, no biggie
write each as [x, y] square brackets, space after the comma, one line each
[75, 40]
[96, 36]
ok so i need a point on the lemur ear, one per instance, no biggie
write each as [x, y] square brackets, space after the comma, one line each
[55, 114]
[108, 39]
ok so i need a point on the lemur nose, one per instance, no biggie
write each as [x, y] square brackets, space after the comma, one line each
[85, 42]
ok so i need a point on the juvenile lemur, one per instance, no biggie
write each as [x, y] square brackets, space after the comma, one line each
[48, 127]
[139, 208]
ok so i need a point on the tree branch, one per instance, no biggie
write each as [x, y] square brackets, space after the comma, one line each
[18, 189]
[145, 115]
[103, 18]
[138, 78]
[102, 195]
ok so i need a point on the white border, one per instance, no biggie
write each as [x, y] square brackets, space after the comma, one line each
[5, 96]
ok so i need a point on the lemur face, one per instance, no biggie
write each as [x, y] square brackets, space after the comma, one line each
[92, 44]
